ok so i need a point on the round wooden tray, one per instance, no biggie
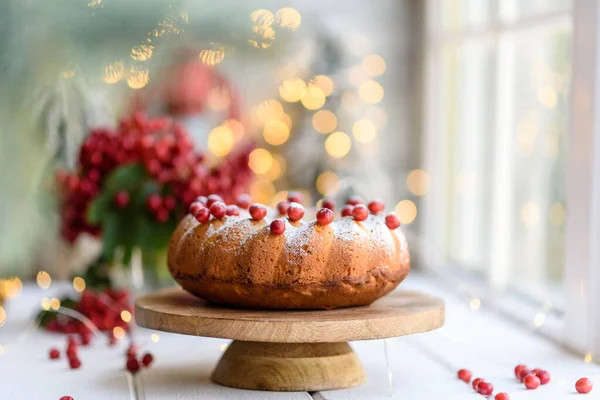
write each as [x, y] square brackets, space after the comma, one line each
[290, 350]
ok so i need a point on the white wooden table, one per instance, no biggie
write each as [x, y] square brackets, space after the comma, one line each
[421, 367]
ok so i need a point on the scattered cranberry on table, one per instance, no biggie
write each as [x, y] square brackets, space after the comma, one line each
[54, 354]
[583, 385]
[485, 388]
[147, 359]
[542, 374]
[502, 396]
[476, 382]
[518, 370]
[531, 381]
[74, 362]
[132, 365]
[523, 373]
[465, 375]
[66, 398]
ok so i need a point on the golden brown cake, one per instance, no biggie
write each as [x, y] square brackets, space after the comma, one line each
[240, 258]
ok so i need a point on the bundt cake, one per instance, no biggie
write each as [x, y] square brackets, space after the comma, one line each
[247, 256]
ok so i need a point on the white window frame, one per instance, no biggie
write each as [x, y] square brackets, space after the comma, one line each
[579, 328]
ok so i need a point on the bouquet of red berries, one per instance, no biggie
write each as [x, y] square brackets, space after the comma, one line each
[132, 184]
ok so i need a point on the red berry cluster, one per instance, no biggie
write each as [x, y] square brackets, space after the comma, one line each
[166, 151]
[133, 363]
[102, 309]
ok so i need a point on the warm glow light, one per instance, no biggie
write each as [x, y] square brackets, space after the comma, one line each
[137, 78]
[418, 182]
[113, 73]
[263, 36]
[2, 316]
[43, 279]
[314, 98]
[262, 17]
[338, 144]
[324, 121]
[557, 214]
[292, 90]
[78, 284]
[357, 75]
[260, 161]
[211, 56]
[13, 288]
[286, 119]
[364, 130]
[69, 73]
[474, 304]
[118, 332]
[220, 141]
[530, 214]
[288, 18]
[371, 92]
[406, 211]
[45, 303]
[373, 64]
[279, 197]
[219, 98]
[235, 127]
[54, 303]
[154, 337]
[125, 315]
[539, 320]
[323, 82]
[588, 358]
[547, 96]
[262, 191]
[277, 168]
[328, 183]
[269, 110]
[142, 52]
[276, 132]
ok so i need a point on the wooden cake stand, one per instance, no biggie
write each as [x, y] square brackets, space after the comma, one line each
[290, 350]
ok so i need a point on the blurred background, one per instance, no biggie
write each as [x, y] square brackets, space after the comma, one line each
[454, 112]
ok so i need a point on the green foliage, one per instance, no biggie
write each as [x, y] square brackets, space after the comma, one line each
[131, 226]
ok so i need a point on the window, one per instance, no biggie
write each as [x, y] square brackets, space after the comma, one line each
[501, 148]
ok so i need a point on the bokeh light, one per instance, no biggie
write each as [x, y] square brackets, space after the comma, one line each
[142, 52]
[364, 131]
[338, 144]
[357, 75]
[262, 17]
[418, 182]
[350, 101]
[211, 56]
[324, 121]
[54, 303]
[324, 82]
[154, 337]
[371, 92]
[43, 279]
[269, 110]
[113, 73]
[286, 119]
[236, 127]
[289, 18]
[45, 303]
[277, 168]
[557, 214]
[125, 315]
[292, 90]
[260, 161]
[373, 64]
[118, 332]
[547, 96]
[328, 183]
[220, 141]
[137, 78]
[314, 98]
[406, 211]
[12, 287]
[78, 284]
[219, 98]
[276, 132]
[2, 316]
[262, 191]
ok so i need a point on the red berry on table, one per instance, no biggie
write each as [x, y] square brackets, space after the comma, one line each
[212, 198]
[277, 227]
[282, 207]
[324, 216]
[476, 382]
[154, 201]
[218, 209]
[376, 206]
[86, 338]
[360, 212]
[132, 350]
[132, 365]
[347, 211]
[202, 215]
[169, 202]
[122, 199]
[295, 211]
[583, 385]
[464, 375]
[523, 373]
[518, 370]
[531, 381]
[202, 199]
[74, 363]
[147, 359]
[295, 197]
[162, 215]
[328, 203]
[66, 398]
[243, 201]
[354, 200]
[542, 374]
[195, 207]
[54, 354]
[232, 209]
[257, 211]
[485, 388]
[502, 396]
[392, 221]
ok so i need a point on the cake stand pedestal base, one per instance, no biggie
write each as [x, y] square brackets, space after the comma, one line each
[289, 366]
